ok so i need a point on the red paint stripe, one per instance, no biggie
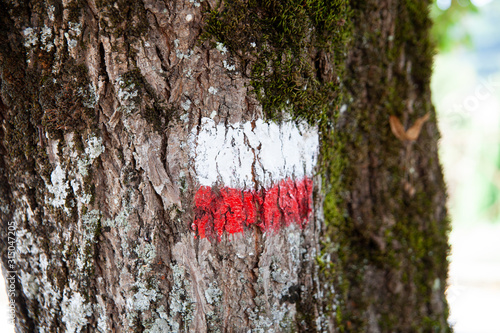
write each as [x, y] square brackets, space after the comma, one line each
[231, 210]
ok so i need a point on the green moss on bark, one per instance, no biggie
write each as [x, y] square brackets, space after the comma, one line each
[67, 100]
[292, 51]
[386, 217]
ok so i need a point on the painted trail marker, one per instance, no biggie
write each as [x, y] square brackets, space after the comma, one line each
[252, 173]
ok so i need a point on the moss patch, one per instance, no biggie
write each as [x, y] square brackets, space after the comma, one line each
[386, 218]
[67, 100]
[287, 48]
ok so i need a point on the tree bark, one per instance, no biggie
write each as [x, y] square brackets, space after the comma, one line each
[191, 166]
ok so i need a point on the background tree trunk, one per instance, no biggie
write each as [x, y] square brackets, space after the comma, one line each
[110, 113]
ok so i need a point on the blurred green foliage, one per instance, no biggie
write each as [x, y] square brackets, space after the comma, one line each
[449, 31]
[470, 150]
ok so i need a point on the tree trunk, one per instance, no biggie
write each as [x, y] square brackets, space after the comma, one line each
[193, 166]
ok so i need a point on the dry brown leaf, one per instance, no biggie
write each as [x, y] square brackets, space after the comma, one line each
[412, 133]
[397, 128]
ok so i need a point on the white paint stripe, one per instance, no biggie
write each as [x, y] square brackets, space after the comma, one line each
[226, 155]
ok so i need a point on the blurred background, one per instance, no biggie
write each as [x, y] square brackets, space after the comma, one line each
[466, 94]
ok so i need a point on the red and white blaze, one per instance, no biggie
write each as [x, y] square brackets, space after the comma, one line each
[252, 173]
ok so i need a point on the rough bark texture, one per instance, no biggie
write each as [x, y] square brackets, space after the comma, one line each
[99, 101]
[391, 235]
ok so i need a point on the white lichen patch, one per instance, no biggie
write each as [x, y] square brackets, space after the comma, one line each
[213, 294]
[160, 325]
[94, 147]
[74, 31]
[264, 324]
[222, 49]
[228, 66]
[261, 323]
[35, 283]
[188, 72]
[85, 198]
[75, 311]
[142, 299]
[147, 253]
[44, 262]
[140, 303]
[29, 284]
[83, 166]
[184, 117]
[4, 209]
[163, 323]
[186, 105]
[121, 219]
[75, 185]
[102, 324]
[181, 302]
[76, 28]
[46, 39]
[90, 223]
[30, 37]
[72, 43]
[294, 241]
[93, 150]
[180, 54]
[127, 95]
[90, 96]
[213, 90]
[126, 92]
[232, 155]
[82, 197]
[50, 12]
[196, 3]
[59, 187]
[81, 261]
[278, 274]
[26, 242]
